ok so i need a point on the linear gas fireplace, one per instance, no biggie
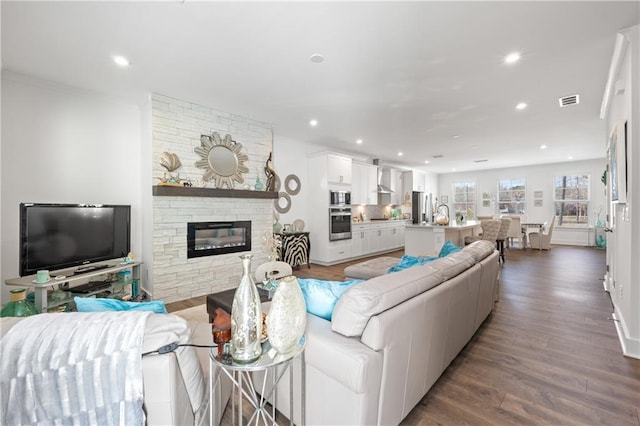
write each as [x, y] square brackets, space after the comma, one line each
[213, 238]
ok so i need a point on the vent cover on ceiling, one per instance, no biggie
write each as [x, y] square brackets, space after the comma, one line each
[569, 100]
[438, 156]
[480, 161]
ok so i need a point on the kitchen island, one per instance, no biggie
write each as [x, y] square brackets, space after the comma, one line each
[426, 239]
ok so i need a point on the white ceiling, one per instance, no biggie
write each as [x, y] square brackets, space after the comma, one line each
[401, 76]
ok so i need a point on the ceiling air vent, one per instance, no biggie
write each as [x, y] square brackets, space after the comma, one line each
[480, 161]
[438, 156]
[569, 100]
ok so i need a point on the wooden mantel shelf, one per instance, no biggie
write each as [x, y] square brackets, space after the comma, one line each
[178, 191]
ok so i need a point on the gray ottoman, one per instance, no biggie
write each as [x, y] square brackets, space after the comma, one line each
[370, 268]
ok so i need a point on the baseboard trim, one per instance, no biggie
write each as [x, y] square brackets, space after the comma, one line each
[630, 347]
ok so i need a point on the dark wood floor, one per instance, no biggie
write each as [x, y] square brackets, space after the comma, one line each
[548, 354]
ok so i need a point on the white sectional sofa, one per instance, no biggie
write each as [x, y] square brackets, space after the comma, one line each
[391, 337]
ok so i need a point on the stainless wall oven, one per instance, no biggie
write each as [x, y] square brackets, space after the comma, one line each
[340, 223]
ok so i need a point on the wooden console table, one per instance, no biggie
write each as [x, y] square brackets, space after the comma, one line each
[294, 248]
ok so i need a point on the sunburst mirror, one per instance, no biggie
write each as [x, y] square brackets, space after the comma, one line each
[221, 159]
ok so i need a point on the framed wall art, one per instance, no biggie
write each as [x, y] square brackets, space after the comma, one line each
[617, 153]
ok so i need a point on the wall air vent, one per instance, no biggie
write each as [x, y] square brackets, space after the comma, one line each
[480, 161]
[569, 100]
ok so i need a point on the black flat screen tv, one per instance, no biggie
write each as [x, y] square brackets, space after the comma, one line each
[58, 236]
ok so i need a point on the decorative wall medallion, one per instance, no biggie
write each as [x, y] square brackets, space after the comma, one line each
[292, 189]
[221, 159]
[287, 199]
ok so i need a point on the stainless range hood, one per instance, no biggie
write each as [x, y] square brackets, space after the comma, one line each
[381, 188]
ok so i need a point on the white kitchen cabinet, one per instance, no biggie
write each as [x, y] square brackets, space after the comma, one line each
[364, 184]
[359, 240]
[401, 234]
[339, 250]
[338, 169]
[395, 184]
[414, 181]
[356, 184]
[375, 239]
[394, 240]
[386, 238]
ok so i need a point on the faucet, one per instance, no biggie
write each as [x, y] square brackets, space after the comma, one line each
[446, 207]
[440, 220]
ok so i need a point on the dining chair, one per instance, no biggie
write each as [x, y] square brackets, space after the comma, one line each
[490, 229]
[505, 225]
[515, 230]
[542, 240]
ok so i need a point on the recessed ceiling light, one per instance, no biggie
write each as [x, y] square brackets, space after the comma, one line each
[313, 123]
[571, 157]
[455, 136]
[543, 147]
[121, 61]
[453, 170]
[521, 105]
[474, 147]
[316, 58]
[359, 141]
[426, 161]
[512, 58]
[400, 154]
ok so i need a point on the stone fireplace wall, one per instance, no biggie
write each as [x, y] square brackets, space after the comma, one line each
[177, 126]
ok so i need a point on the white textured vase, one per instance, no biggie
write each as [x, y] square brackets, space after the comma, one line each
[287, 318]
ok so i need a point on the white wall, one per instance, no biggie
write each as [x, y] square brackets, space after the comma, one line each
[623, 244]
[290, 157]
[65, 145]
[538, 178]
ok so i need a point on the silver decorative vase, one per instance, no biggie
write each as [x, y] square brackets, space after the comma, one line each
[287, 318]
[246, 318]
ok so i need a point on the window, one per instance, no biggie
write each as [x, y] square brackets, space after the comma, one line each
[571, 196]
[464, 199]
[511, 197]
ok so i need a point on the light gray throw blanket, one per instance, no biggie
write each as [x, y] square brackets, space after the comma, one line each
[73, 368]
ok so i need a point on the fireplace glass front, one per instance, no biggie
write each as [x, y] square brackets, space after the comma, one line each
[213, 238]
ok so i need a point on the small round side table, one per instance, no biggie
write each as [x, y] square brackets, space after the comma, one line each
[272, 364]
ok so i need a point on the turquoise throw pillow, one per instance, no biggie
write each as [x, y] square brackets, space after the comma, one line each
[321, 296]
[407, 261]
[93, 304]
[448, 248]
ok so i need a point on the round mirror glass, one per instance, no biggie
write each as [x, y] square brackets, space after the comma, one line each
[223, 161]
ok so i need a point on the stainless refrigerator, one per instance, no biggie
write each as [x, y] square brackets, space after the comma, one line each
[417, 207]
[421, 207]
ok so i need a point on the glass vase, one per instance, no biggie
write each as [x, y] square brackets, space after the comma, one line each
[287, 318]
[19, 306]
[246, 318]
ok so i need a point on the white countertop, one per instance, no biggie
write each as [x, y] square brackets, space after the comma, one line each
[452, 225]
[370, 222]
